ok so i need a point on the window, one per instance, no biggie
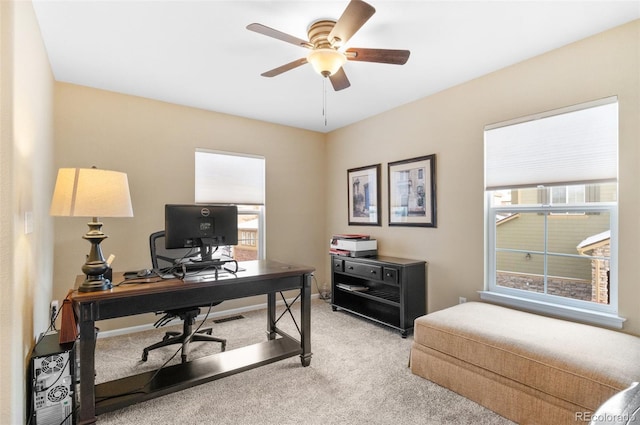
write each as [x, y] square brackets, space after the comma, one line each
[231, 178]
[551, 186]
[567, 195]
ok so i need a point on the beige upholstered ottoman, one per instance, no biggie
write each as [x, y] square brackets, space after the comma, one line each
[528, 368]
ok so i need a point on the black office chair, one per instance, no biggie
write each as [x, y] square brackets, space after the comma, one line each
[166, 259]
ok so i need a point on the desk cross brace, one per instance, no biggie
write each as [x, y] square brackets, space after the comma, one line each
[288, 309]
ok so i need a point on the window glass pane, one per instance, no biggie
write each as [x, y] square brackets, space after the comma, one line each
[500, 198]
[605, 192]
[248, 235]
[585, 277]
[522, 265]
[575, 194]
[522, 231]
[566, 232]
[520, 271]
[559, 195]
[522, 196]
[570, 277]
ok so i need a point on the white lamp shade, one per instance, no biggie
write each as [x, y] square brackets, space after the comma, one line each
[326, 61]
[90, 192]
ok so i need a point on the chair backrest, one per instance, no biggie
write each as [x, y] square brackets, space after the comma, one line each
[161, 257]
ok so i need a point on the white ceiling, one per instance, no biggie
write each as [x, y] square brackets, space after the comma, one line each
[198, 53]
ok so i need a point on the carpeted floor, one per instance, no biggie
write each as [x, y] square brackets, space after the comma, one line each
[358, 375]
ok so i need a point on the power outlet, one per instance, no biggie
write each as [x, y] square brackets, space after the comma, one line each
[462, 300]
[53, 313]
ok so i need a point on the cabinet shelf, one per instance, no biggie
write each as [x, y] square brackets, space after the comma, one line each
[391, 297]
[387, 290]
[380, 295]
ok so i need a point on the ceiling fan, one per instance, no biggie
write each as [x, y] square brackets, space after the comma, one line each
[326, 39]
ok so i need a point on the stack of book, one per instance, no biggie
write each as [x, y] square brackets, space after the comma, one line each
[353, 245]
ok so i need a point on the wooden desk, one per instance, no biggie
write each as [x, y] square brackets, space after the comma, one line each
[260, 277]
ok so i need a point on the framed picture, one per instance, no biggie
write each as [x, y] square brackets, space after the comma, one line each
[412, 192]
[364, 195]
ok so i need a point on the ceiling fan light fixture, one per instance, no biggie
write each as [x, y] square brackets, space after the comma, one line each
[326, 61]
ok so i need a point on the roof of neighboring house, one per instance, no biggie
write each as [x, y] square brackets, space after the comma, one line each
[248, 225]
[503, 218]
[594, 241]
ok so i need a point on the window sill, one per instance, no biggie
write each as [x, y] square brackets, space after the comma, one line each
[565, 312]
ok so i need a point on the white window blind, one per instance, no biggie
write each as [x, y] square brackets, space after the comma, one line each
[573, 145]
[229, 178]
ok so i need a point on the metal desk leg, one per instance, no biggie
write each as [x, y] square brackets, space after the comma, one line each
[87, 347]
[305, 319]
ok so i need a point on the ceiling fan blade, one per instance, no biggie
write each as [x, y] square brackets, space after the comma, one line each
[396, 57]
[270, 32]
[352, 19]
[284, 68]
[339, 80]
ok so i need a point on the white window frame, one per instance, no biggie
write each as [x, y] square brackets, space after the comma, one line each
[261, 245]
[585, 311]
[243, 209]
[604, 314]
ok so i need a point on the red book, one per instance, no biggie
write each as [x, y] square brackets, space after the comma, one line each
[340, 252]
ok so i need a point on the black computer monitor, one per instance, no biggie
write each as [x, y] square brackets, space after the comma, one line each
[202, 226]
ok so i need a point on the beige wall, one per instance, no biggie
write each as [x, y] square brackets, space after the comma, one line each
[26, 138]
[450, 124]
[154, 143]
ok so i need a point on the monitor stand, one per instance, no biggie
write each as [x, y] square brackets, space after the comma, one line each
[206, 268]
[196, 266]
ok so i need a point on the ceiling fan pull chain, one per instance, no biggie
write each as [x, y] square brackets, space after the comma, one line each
[324, 100]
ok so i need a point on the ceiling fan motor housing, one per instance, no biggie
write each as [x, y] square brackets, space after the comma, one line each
[318, 33]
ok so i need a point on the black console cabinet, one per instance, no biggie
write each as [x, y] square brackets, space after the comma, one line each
[388, 290]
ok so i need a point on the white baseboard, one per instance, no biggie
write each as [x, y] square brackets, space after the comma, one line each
[177, 321]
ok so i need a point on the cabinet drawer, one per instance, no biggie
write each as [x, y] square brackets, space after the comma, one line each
[338, 264]
[365, 270]
[390, 275]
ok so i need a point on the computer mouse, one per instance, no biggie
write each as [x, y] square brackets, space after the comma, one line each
[144, 273]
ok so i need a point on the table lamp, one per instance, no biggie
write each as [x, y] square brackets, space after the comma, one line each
[90, 192]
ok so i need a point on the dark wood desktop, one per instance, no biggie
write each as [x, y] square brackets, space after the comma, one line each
[258, 277]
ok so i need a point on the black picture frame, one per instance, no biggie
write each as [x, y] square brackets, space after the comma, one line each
[363, 189]
[412, 192]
